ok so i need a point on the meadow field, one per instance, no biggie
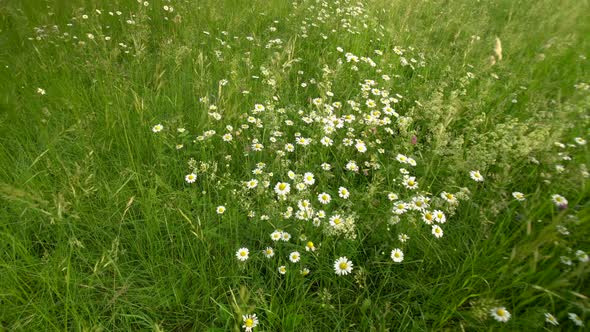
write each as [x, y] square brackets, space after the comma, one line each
[302, 165]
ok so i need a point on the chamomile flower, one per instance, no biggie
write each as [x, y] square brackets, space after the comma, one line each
[304, 271]
[342, 266]
[253, 183]
[437, 231]
[324, 198]
[276, 235]
[343, 192]
[269, 252]
[250, 322]
[428, 217]
[518, 196]
[582, 256]
[400, 208]
[326, 141]
[326, 166]
[285, 236]
[282, 188]
[559, 200]
[336, 220]
[500, 314]
[575, 318]
[360, 146]
[439, 216]
[227, 137]
[580, 140]
[450, 198]
[242, 254]
[397, 255]
[191, 178]
[549, 318]
[294, 257]
[476, 176]
[282, 269]
[310, 246]
[410, 182]
[403, 237]
[308, 178]
[220, 209]
[392, 196]
[157, 128]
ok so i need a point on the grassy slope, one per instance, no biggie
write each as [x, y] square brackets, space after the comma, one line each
[153, 253]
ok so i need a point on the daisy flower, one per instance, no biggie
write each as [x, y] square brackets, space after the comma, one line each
[392, 196]
[410, 182]
[500, 314]
[308, 178]
[242, 254]
[191, 178]
[439, 216]
[269, 252]
[476, 176]
[437, 231]
[324, 198]
[157, 128]
[549, 318]
[428, 217]
[220, 209]
[276, 235]
[304, 271]
[282, 269]
[401, 158]
[397, 255]
[326, 166]
[360, 146]
[582, 256]
[518, 196]
[227, 137]
[250, 322]
[575, 318]
[343, 192]
[559, 200]
[403, 237]
[282, 188]
[335, 220]
[400, 208]
[580, 140]
[450, 198]
[310, 246]
[326, 141]
[294, 257]
[342, 266]
[252, 184]
[285, 236]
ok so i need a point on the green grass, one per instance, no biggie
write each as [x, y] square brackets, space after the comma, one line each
[100, 232]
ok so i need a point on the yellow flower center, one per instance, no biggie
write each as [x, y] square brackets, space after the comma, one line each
[310, 244]
[243, 253]
[337, 221]
[282, 186]
[343, 265]
[249, 322]
[500, 312]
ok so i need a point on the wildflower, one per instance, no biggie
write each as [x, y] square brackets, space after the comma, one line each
[428, 217]
[285, 236]
[360, 146]
[242, 254]
[549, 318]
[220, 209]
[401, 158]
[324, 198]
[282, 188]
[335, 220]
[500, 314]
[342, 266]
[250, 322]
[282, 269]
[191, 178]
[575, 318]
[326, 141]
[227, 137]
[437, 231]
[403, 237]
[308, 178]
[310, 246]
[397, 255]
[410, 182]
[40, 91]
[582, 256]
[276, 235]
[326, 166]
[476, 176]
[439, 216]
[518, 196]
[294, 257]
[392, 196]
[157, 128]
[343, 192]
[304, 271]
[268, 252]
[400, 208]
[252, 184]
[559, 200]
[352, 166]
[580, 140]
[448, 197]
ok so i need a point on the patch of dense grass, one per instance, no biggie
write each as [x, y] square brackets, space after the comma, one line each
[99, 229]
